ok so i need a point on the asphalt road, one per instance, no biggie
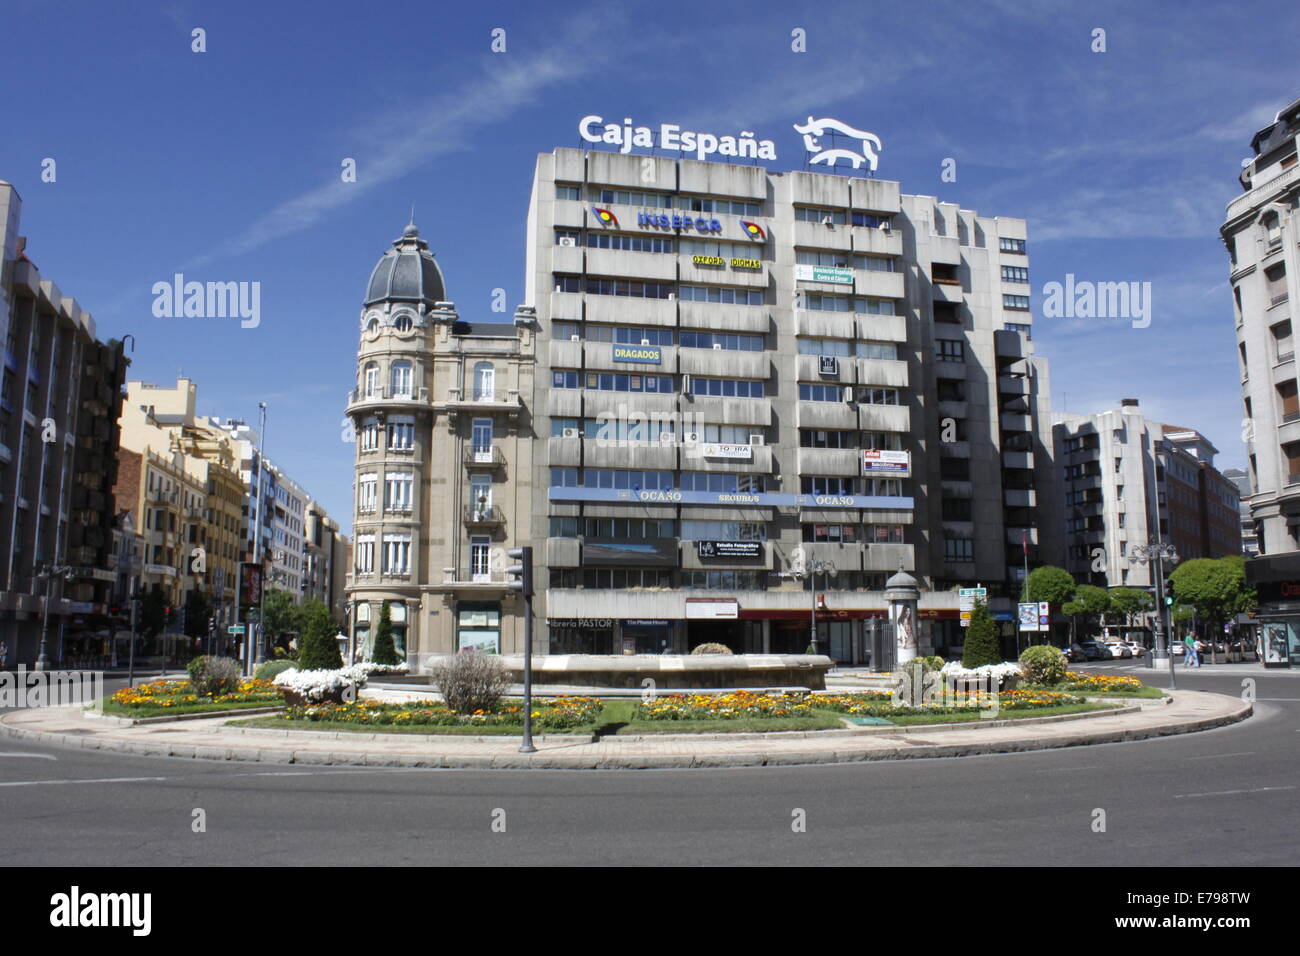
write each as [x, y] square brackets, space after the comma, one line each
[1224, 797]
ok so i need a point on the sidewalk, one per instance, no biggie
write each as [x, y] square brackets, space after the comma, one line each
[208, 738]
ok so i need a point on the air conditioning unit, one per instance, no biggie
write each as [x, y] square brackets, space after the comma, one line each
[884, 225]
[848, 393]
[570, 433]
[826, 221]
[686, 385]
[568, 241]
[667, 437]
[717, 346]
[645, 341]
[692, 437]
[575, 338]
[757, 439]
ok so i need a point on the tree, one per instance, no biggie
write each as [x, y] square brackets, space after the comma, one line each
[152, 616]
[1049, 583]
[279, 614]
[1072, 610]
[1215, 589]
[982, 644]
[317, 648]
[1130, 601]
[384, 651]
[1095, 601]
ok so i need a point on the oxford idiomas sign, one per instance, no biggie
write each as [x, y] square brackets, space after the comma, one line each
[669, 136]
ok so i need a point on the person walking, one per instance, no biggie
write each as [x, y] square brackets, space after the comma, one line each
[1191, 658]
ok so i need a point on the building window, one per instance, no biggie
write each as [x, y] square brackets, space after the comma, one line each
[816, 438]
[631, 288]
[726, 207]
[723, 294]
[397, 491]
[1017, 302]
[725, 483]
[401, 436]
[1012, 245]
[565, 191]
[370, 379]
[624, 197]
[366, 488]
[723, 530]
[484, 382]
[1015, 274]
[397, 554]
[613, 240]
[625, 335]
[949, 350]
[833, 533]
[400, 379]
[727, 341]
[817, 214]
[958, 549]
[871, 220]
[726, 387]
[826, 485]
[365, 554]
[820, 393]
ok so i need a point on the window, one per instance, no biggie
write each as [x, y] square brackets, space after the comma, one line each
[731, 342]
[397, 554]
[1012, 245]
[369, 436]
[484, 382]
[817, 438]
[567, 237]
[561, 378]
[568, 283]
[608, 578]
[626, 335]
[725, 483]
[820, 393]
[882, 533]
[724, 294]
[400, 379]
[878, 350]
[565, 191]
[721, 248]
[1020, 327]
[871, 220]
[632, 480]
[882, 441]
[882, 487]
[835, 533]
[950, 390]
[367, 486]
[723, 580]
[613, 240]
[958, 549]
[564, 527]
[364, 554]
[878, 396]
[631, 288]
[370, 379]
[729, 207]
[481, 435]
[624, 197]
[564, 477]
[1018, 302]
[843, 260]
[1015, 274]
[397, 491]
[620, 382]
[956, 509]
[401, 435]
[824, 485]
[480, 558]
[640, 529]
[726, 387]
[949, 350]
[825, 347]
[403, 324]
[724, 531]
[819, 215]
[954, 469]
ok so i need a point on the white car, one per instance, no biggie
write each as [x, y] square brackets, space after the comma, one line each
[1137, 648]
[1119, 649]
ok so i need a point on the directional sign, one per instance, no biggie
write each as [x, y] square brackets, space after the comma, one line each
[236, 629]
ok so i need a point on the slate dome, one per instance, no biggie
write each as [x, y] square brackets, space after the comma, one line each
[406, 273]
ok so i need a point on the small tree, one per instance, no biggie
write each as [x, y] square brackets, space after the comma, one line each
[1129, 602]
[198, 610]
[384, 651]
[1095, 602]
[982, 645]
[1215, 589]
[1049, 583]
[279, 614]
[319, 650]
[1072, 610]
[471, 681]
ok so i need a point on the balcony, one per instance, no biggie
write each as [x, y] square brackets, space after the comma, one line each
[481, 580]
[1017, 459]
[1016, 535]
[483, 516]
[1013, 385]
[482, 403]
[486, 456]
[385, 395]
[1019, 498]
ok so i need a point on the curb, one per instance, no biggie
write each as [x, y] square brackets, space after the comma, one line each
[564, 761]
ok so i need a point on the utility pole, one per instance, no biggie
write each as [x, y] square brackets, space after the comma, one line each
[521, 575]
[255, 644]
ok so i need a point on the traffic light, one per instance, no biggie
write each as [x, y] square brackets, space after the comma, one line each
[521, 574]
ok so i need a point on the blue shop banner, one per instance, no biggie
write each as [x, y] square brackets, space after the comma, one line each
[750, 499]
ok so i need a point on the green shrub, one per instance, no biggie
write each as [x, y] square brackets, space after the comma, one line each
[936, 662]
[213, 676]
[385, 652]
[714, 649]
[318, 650]
[271, 669]
[1043, 664]
[471, 681]
[982, 645]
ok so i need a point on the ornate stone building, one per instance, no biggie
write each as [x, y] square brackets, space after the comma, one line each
[443, 463]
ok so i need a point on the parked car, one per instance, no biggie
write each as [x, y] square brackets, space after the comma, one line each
[1118, 649]
[1095, 651]
[1137, 647]
[1074, 653]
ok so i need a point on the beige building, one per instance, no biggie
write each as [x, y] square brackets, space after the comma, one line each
[443, 465]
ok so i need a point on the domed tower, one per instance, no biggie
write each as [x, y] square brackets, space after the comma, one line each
[391, 415]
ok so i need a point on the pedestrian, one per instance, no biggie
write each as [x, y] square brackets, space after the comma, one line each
[1191, 658]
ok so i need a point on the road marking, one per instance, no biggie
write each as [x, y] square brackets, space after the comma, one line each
[1242, 753]
[1068, 769]
[32, 756]
[44, 783]
[1229, 793]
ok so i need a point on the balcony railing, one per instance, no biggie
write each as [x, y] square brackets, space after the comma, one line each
[386, 393]
[483, 515]
[1290, 417]
[486, 456]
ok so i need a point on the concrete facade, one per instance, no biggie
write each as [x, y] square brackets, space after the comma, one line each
[58, 432]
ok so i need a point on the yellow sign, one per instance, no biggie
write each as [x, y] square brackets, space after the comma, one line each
[708, 260]
[746, 263]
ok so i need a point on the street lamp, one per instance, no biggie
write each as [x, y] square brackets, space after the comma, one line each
[48, 572]
[809, 570]
[1157, 553]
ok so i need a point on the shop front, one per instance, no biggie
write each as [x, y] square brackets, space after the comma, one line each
[478, 628]
[1276, 580]
[581, 635]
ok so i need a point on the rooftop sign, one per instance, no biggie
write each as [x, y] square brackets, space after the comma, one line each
[594, 129]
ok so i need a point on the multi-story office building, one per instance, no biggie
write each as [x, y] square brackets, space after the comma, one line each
[1249, 539]
[1117, 469]
[324, 559]
[179, 480]
[443, 462]
[58, 431]
[749, 375]
[1260, 233]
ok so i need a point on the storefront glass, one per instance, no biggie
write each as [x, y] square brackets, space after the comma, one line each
[479, 628]
[581, 637]
[1281, 641]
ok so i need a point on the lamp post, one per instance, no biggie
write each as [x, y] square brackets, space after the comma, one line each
[809, 569]
[48, 572]
[1157, 553]
[255, 644]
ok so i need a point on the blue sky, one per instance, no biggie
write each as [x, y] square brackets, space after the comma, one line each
[225, 165]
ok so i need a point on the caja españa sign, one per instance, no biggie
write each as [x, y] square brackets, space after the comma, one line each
[594, 129]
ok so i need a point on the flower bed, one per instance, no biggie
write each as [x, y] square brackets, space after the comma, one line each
[318, 686]
[1100, 683]
[552, 714]
[740, 704]
[181, 694]
[881, 704]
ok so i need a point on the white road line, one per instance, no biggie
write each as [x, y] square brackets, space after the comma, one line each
[32, 756]
[46, 783]
[1229, 793]
[1241, 753]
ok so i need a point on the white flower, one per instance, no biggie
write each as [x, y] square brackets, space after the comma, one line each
[370, 667]
[317, 685]
[998, 671]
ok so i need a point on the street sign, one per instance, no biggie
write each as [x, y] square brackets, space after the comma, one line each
[1044, 616]
[966, 598]
[236, 629]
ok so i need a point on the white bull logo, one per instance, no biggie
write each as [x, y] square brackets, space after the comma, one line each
[815, 128]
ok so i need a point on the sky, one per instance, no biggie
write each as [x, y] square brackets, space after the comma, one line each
[225, 165]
